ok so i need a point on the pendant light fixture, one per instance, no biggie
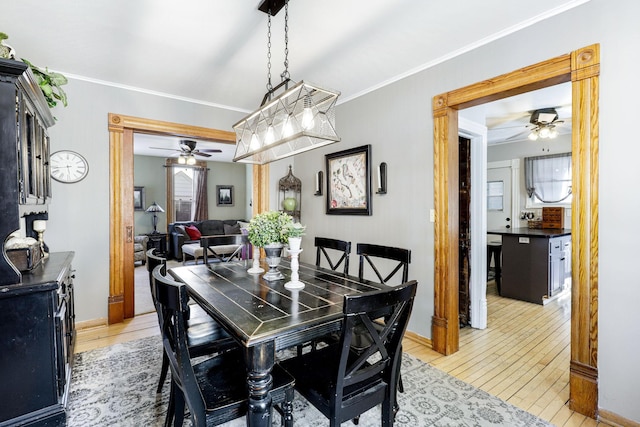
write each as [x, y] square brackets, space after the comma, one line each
[301, 118]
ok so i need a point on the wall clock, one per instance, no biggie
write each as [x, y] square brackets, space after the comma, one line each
[68, 166]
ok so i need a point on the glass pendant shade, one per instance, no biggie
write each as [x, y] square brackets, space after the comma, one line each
[300, 119]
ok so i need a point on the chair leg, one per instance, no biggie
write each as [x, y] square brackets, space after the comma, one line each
[178, 399]
[163, 372]
[388, 414]
[287, 408]
[170, 408]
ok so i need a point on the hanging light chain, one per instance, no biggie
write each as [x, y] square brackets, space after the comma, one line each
[269, 86]
[285, 74]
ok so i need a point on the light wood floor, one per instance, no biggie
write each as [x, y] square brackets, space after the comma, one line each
[522, 357]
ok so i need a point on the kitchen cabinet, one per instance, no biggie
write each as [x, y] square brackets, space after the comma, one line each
[36, 344]
[536, 263]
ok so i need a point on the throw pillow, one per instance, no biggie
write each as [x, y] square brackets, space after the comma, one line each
[211, 227]
[193, 232]
[180, 229]
[232, 229]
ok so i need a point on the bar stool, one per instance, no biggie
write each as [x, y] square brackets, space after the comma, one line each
[494, 249]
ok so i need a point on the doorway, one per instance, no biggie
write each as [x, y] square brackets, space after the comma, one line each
[121, 304]
[582, 68]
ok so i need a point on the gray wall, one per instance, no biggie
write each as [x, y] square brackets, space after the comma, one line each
[397, 121]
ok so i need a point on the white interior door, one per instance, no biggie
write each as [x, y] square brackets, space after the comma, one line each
[499, 210]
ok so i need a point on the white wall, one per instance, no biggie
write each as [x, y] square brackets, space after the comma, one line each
[396, 120]
[526, 148]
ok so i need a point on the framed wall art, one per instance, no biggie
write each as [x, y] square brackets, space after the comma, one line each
[349, 181]
[138, 198]
[224, 195]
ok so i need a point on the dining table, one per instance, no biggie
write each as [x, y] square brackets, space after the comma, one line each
[265, 316]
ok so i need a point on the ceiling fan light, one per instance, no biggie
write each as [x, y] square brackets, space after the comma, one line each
[182, 160]
[553, 133]
[533, 136]
[544, 132]
[191, 160]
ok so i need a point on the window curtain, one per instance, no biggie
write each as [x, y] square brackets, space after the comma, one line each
[201, 208]
[548, 177]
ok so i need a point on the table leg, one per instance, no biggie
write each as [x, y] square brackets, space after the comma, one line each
[260, 360]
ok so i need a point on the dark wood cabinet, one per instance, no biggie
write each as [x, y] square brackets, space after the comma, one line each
[157, 241]
[24, 152]
[37, 337]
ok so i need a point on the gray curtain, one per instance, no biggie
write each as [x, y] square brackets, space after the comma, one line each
[548, 177]
[201, 211]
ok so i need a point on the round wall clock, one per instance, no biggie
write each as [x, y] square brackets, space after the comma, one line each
[68, 166]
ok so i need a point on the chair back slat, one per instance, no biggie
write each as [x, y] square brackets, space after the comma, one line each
[153, 261]
[367, 252]
[344, 247]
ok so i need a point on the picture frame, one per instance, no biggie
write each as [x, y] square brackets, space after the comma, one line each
[138, 199]
[224, 195]
[348, 182]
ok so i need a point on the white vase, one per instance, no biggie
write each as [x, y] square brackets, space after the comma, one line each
[294, 243]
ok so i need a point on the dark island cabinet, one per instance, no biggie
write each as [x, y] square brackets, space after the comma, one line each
[536, 263]
[37, 337]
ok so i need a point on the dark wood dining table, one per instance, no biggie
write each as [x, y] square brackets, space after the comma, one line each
[265, 317]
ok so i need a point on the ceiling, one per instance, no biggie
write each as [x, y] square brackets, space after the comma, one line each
[214, 52]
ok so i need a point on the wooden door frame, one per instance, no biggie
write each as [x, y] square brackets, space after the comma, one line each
[121, 302]
[582, 68]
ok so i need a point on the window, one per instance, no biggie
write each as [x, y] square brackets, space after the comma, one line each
[548, 179]
[186, 191]
[183, 193]
[495, 195]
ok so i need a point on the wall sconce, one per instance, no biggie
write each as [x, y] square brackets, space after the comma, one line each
[382, 179]
[318, 184]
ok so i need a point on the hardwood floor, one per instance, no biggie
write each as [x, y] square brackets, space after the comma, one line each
[522, 357]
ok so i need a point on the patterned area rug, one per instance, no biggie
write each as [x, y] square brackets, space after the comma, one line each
[115, 386]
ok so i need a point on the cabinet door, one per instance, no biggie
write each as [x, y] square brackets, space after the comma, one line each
[556, 273]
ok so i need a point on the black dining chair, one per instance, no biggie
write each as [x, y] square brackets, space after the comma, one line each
[337, 249]
[342, 383]
[213, 390]
[204, 334]
[400, 259]
[224, 248]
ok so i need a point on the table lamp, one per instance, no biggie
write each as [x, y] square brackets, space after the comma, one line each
[155, 208]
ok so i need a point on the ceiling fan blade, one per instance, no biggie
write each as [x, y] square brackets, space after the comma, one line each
[210, 150]
[198, 153]
[162, 148]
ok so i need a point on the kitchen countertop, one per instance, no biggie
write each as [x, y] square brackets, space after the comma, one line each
[531, 232]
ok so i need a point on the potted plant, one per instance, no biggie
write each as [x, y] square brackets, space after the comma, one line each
[295, 231]
[270, 230]
[49, 83]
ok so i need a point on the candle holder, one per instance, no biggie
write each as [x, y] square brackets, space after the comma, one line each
[295, 282]
[39, 226]
[318, 184]
[255, 268]
[382, 179]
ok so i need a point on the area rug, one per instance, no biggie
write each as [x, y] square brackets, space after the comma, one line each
[116, 386]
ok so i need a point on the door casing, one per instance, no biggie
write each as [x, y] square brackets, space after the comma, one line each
[121, 302]
[582, 68]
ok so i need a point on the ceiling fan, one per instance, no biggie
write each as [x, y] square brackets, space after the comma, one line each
[544, 122]
[188, 148]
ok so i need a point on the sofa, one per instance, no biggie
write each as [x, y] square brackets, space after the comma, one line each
[179, 232]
